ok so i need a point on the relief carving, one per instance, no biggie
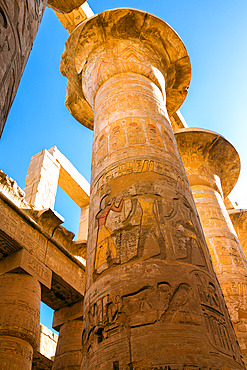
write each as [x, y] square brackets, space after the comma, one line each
[145, 306]
[139, 224]
[217, 326]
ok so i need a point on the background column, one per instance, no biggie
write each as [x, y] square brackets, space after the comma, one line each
[212, 165]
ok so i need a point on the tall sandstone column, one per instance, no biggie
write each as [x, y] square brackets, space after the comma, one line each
[212, 165]
[152, 299]
[19, 320]
[19, 23]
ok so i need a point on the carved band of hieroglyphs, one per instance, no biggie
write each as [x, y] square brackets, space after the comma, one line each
[217, 327]
[12, 225]
[140, 165]
[24, 260]
[160, 302]
[12, 346]
[134, 131]
[140, 223]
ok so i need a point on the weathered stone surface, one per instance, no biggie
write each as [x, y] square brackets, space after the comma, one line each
[71, 20]
[177, 121]
[152, 299]
[47, 170]
[69, 346]
[19, 22]
[158, 38]
[44, 355]
[65, 6]
[19, 320]
[24, 261]
[47, 243]
[66, 314]
[239, 220]
[211, 161]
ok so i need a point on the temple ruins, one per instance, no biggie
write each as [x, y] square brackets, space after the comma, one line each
[157, 278]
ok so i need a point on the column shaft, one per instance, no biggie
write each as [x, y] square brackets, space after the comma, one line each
[19, 320]
[227, 255]
[151, 287]
[68, 352]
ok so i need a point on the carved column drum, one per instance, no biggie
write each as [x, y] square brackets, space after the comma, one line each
[152, 299]
[19, 320]
[68, 351]
[212, 165]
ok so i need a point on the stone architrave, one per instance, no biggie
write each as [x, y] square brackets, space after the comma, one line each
[152, 298]
[212, 165]
[19, 320]
[47, 170]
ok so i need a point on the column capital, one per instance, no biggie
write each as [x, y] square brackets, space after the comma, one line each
[119, 41]
[209, 159]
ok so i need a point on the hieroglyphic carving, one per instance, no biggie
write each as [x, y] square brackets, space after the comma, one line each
[19, 22]
[135, 133]
[214, 315]
[145, 306]
[138, 130]
[140, 224]
[106, 253]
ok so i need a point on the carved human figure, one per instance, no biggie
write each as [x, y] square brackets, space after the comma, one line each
[105, 249]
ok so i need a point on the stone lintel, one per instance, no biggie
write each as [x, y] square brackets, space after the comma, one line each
[64, 6]
[167, 56]
[70, 180]
[18, 230]
[66, 314]
[71, 20]
[208, 155]
[25, 261]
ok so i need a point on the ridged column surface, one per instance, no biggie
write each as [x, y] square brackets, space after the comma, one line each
[19, 320]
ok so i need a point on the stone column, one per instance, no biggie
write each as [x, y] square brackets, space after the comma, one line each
[68, 321]
[152, 298]
[212, 165]
[239, 220]
[19, 320]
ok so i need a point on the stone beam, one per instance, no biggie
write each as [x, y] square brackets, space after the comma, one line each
[47, 244]
[65, 6]
[212, 165]
[152, 296]
[71, 20]
[70, 180]
[47, 170]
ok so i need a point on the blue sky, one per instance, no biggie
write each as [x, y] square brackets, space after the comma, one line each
[215, 35]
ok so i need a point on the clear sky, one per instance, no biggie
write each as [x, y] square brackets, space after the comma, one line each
[215, 35]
